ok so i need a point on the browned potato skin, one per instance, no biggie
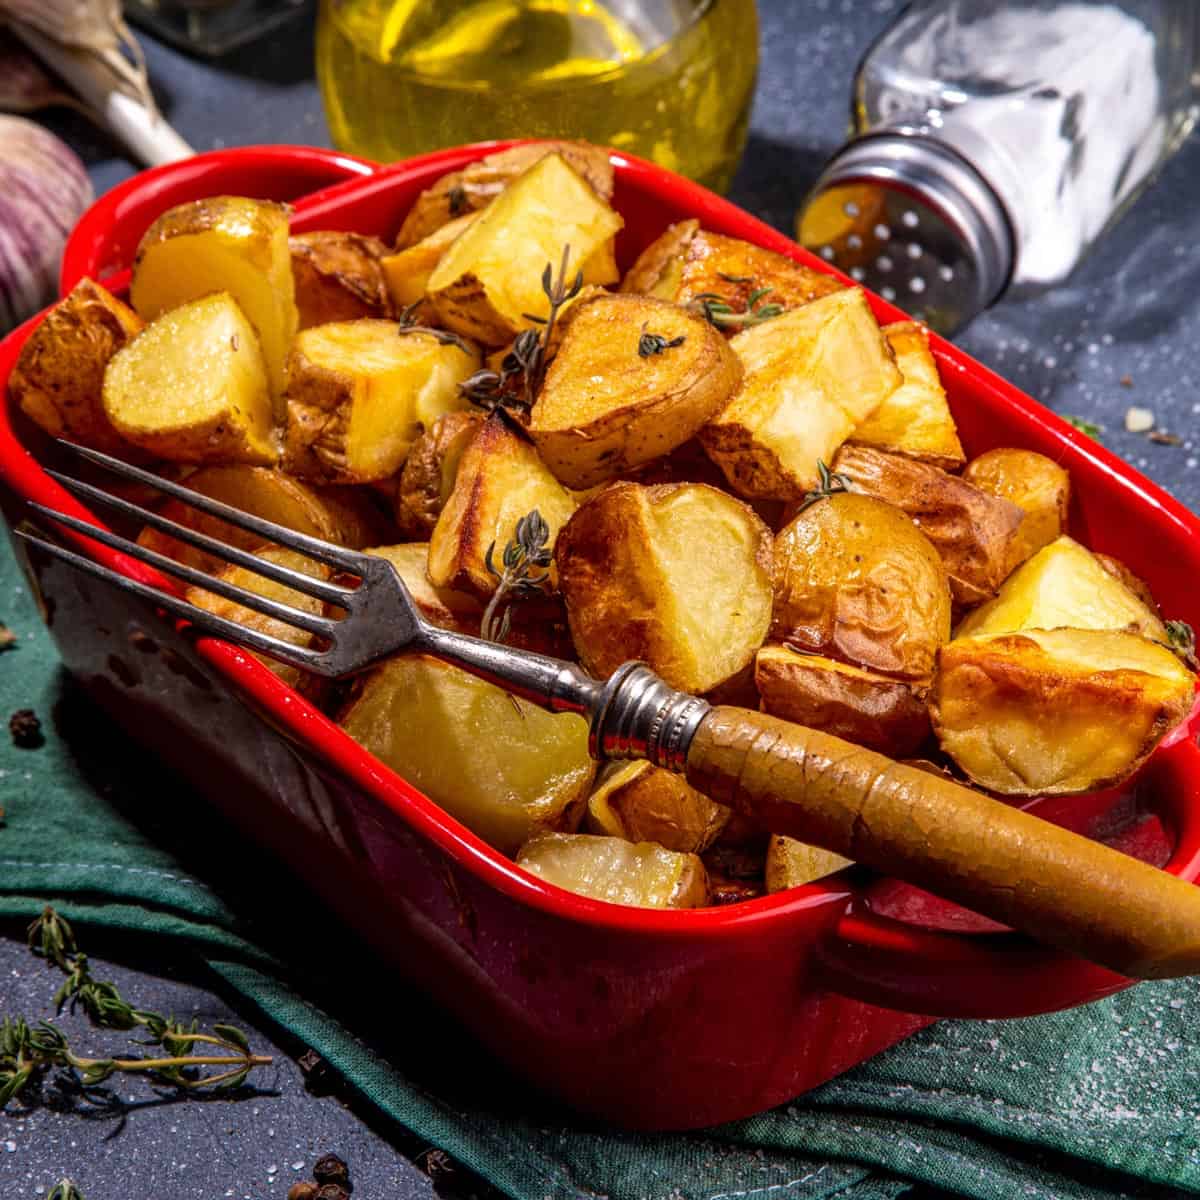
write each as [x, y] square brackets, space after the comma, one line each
[871, 710]
[856, 580]
[59, 374]
[1037, 485]
[338, 277]
[1135, 583]
[429, 472]
[643, 803]
[477, 185]
[658, 270]
[974, 532]
[656, 403]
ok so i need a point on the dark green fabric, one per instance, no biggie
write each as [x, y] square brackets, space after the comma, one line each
[1096, 1103]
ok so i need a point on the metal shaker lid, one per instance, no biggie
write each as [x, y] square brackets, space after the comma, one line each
[910, 218]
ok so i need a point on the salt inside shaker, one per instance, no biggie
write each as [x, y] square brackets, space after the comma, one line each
[996, 140]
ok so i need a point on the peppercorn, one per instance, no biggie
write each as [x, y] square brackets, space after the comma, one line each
[439, 1166]
[331, 1169]
[304, 1190]
[332, 1191]
[26, 729]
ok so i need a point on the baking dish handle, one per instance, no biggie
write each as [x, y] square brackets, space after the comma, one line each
[104, 240]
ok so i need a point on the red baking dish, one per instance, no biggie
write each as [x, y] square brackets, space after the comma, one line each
[720, 1012]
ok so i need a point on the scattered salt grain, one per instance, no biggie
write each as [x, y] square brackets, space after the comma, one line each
[1138, 420]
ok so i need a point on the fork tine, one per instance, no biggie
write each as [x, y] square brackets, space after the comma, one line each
[321, 626]
[326, 552]
[319, 588]
[297, 656]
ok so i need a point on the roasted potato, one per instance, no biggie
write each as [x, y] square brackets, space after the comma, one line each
[856, 580]
[59, 373]
[1135, 583]
[973, 531]
[443, 606]
[642, 803]
[407, 272]
[506, 769]
[488, 283]
[677, 575]
[192, 387]
[338, 277]
[658, 270]
[792, 864]
[607, 868]
[810, 377]
[915, 419]
[360, 392]
[500, 479]
[1063, 585]
[1056, 711]
[477, 185]
[223, 244]
[633, 378]
[430, 470]
[861, 706]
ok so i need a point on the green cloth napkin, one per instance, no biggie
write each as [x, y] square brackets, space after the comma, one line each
[1096, 1103]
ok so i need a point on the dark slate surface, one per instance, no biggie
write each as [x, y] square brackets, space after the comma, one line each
[1131, 313]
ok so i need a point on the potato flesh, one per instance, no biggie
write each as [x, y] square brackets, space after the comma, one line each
[192, 387]
[505, 769]
[792, 864]
[1037, 485]
[642, 875]
[407, 272]
[1056, 711]
[1063, 586]
[643, 803]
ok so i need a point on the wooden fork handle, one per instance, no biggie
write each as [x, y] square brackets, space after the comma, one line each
[1061, 888]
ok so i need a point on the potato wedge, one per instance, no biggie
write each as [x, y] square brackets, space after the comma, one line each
[223, 244]
[915, 419]
[500, 479]
[490, 278]
[658, 270]
[973, 531]
[477, 185]
[677, 575]
[430, 471]
[1037, 485]
[192, 387]
[338, 277]
[443, 606]
[1063, 585]
[811, 376]
[360, 392]
[792, 864]
[407, 272]
[856, 580]
[1048, 712]
[612, 400]
[504, 768]
[1135, 583]
[59, 374]
[642, 803]
[860, 706]
[605, 868]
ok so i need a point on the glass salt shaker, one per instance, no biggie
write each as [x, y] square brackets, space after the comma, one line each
[996, 140]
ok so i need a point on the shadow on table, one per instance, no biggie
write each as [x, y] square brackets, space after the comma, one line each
[774, 177]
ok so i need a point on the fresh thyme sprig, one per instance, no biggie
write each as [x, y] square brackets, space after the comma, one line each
[828, 484]
[525, 561]
[410, 324]
[1084, 426]
[1182, 639]
[64, 1189]
[718, 311]
[650, 344]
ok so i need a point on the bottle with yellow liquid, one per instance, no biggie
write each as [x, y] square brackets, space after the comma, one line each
[669, 80]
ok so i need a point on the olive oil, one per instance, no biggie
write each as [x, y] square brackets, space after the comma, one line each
[670, 80]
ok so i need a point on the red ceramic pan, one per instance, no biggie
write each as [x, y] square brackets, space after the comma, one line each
[652, 1020]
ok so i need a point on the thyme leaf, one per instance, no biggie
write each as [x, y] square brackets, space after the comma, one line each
[64, 1189]
[1182, 639]
[718, 311]
[410, 324]
[1084, 426]
[650, 344]
[524, 572]
[828, 484]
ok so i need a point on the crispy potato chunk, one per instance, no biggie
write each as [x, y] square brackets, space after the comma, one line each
[478, 184]
[642, 803]
[658, 270]
[973, 531]
[407, 272]
[856, 580]
[223, 244]
[872, 710]
[338, 277]
[915, 419]
[500, 479]
[613, 400]
[360, 392]
[489, 280]
[443, 606]
[192, 387]
[811, 376]
[1056, 711]
[504, 768]
[677, 575]
[59, 374]
[1037, 485]
[430, 471]
[792, 864]
[606, 868]
[1063, 586]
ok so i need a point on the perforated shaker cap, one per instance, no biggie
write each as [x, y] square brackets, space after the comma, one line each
[910, 218]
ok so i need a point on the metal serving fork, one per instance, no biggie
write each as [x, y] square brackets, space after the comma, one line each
[1014, 867]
